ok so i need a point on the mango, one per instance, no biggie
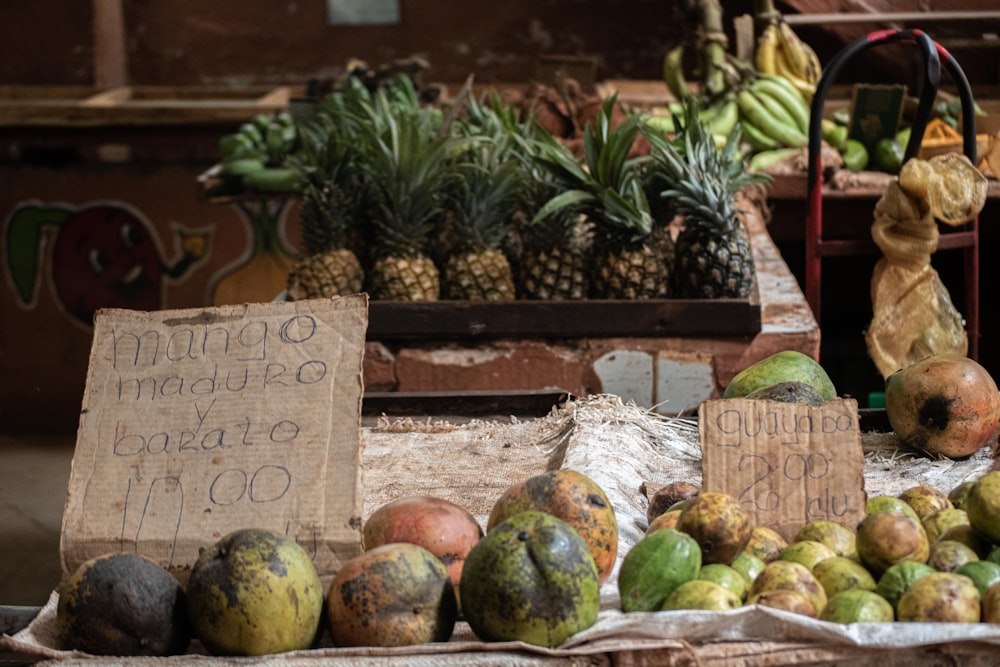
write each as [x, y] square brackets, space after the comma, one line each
[532, 579]
[125, 605]
[254, 592]
[446, 529]
[573, 497]
[784, 366]
[396, 594]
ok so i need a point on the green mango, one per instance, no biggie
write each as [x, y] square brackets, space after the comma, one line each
[784, 366]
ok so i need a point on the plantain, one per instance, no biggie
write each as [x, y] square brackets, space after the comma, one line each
[273, 179]
[777, 110]
[757, 138]
[766, 159]
[785, 94]
[793, 49]
[753, 110]
[784, 70]
[673, 73]
[767, 45]
[724, 117]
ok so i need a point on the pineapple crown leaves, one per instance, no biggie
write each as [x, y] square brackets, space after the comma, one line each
[409, 172]
[326, 213]
[701, 179]
[606, 186]
[483, 201]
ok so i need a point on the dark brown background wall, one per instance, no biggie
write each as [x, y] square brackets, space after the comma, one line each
[185, 42]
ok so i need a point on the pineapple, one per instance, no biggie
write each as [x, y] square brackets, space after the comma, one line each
[408, 170]
[555, 256]
[555, 263]
[331, 203]
[481, 215]
[712, 253]
[327, 268]
[629, 263]
[484, 198]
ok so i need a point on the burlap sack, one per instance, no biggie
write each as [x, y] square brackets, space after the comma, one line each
[913, 314]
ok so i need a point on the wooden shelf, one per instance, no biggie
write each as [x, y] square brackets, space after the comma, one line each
[74, 106]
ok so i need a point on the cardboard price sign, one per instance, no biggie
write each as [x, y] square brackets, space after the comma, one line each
[786, 463]
[197, 422]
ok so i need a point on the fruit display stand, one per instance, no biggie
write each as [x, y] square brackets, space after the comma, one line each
[591, 346]
[628, 451]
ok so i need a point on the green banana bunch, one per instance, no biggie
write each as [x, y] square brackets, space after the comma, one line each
[773, 114]
[782, 53]
[253, 157]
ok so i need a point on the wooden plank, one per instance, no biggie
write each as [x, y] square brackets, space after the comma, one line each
[591, 318]
[109, 98]
[110, 64]
[528, 403]
[890, 17]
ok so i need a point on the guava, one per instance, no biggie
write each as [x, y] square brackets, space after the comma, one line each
[719, 525]
[839, 574]
[886, 538]
[942, 597]
[655, 566]
[701, 594]
[858, 606]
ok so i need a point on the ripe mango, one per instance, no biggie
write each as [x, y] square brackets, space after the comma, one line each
[254, 592]
[784, 366]
[393, 595]
[573, 497]
[532, 579]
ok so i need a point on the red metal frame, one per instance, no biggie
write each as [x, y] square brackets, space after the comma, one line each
[818, 247]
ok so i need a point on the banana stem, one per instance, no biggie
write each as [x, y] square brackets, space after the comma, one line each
[764, 14]
[713, 46]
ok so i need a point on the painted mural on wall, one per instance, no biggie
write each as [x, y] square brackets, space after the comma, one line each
[101, 255]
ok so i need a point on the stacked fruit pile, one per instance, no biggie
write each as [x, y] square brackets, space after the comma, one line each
[927, 555]
[535, 576]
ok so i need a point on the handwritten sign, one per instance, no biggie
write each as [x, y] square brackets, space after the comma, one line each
[786, 463]
[197, 422]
